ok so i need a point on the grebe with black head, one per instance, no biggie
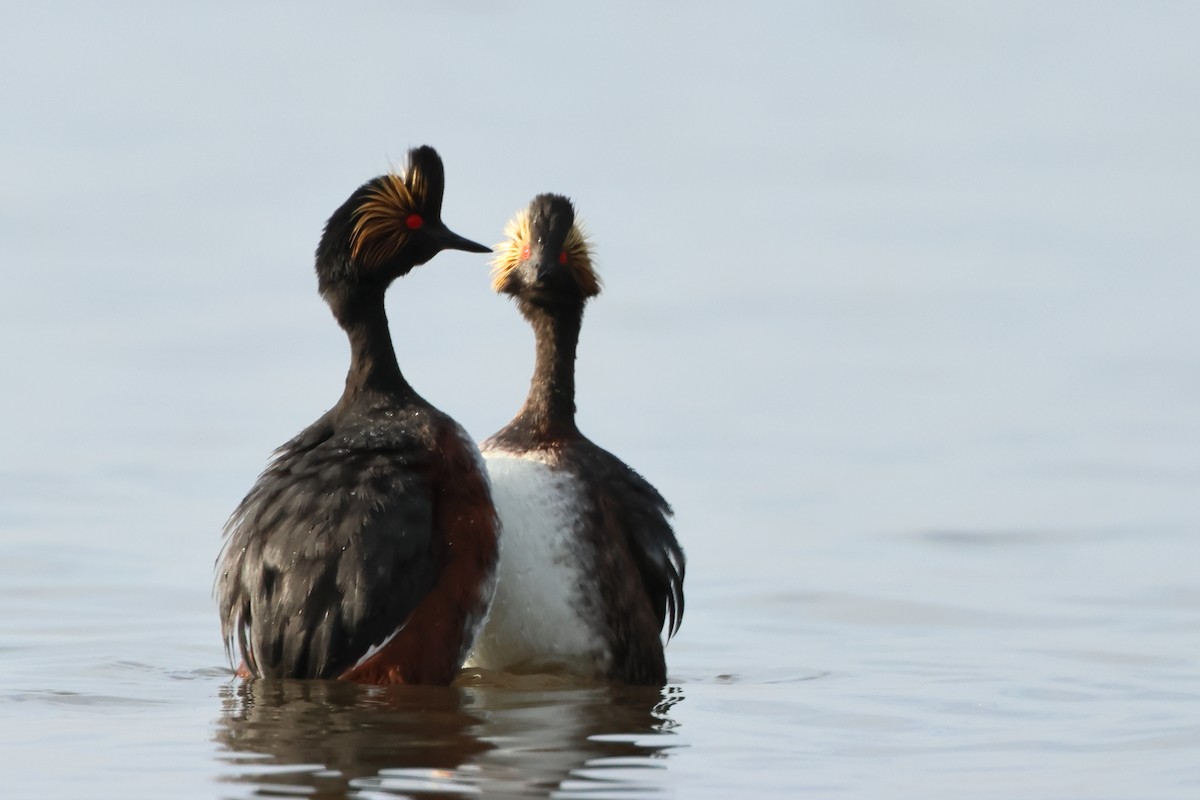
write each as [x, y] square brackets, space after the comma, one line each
[367, 549]
[590, 570]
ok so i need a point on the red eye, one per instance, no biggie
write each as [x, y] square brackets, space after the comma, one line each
[525, 252]
[414, 221]
[562, 257]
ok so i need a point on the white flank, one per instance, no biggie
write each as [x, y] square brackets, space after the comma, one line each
[536, 618]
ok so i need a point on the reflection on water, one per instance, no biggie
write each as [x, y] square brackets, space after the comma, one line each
[324, 739]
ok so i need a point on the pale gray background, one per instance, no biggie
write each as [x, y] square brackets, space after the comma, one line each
[900, 312]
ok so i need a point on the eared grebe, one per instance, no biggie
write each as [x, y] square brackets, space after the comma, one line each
[589, 566]
[367, 549]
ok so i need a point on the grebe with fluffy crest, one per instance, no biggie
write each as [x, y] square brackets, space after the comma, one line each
[590, 570]
[367, 549]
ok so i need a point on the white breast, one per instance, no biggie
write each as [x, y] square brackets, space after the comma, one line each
[539, 618]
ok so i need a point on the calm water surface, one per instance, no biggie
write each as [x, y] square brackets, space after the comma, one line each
[899, 313]
[1056, 664]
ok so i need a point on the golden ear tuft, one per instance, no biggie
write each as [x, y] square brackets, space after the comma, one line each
[579, 259]
[508, 252]
[518, 238]
[380, 221]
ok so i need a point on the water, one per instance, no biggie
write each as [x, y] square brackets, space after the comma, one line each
[899, 313]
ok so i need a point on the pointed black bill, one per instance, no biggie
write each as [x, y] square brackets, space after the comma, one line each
[452, 241]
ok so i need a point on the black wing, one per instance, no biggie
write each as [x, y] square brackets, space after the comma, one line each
[329, 553]
[644, 518]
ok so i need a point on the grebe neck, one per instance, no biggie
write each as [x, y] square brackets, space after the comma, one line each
[373, 366]
[549, 409]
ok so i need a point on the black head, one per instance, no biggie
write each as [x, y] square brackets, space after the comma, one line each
[546, 258]
[389, 225]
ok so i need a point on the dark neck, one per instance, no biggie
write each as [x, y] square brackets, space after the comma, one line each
[373, 368]
[549, 410]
